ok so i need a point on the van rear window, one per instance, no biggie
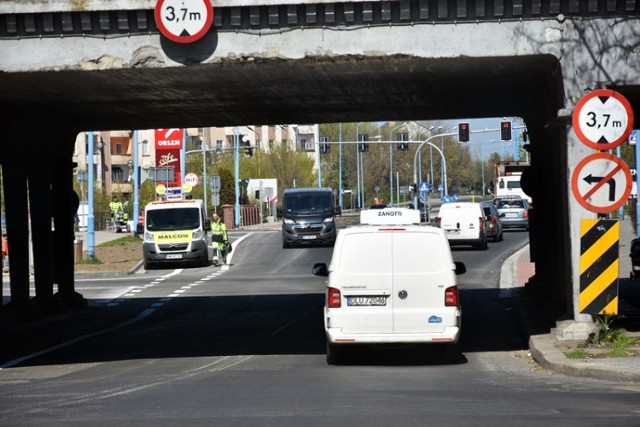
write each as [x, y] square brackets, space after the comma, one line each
[366, 253]
[374, 253]
[426, 256]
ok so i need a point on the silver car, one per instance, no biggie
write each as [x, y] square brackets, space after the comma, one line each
[514, 212]
[493, 222]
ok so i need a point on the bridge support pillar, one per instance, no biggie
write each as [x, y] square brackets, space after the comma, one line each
[64, 209]
[15, 192]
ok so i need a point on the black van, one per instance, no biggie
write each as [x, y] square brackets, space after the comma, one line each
[308, 216]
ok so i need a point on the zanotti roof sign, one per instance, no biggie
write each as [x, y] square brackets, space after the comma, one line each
[184, 21]
[601, 182]
[603, 119]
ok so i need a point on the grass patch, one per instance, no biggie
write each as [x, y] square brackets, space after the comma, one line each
[619, 352]
[123, 241]
[89, 261]
[578, 353]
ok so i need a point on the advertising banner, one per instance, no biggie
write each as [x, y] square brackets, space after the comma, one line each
[168, 151]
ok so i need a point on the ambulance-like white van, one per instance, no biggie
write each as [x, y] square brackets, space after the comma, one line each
[391, 281]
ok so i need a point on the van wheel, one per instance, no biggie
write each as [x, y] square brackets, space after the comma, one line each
[147, 265]
[335, 354]
[285, 245]
[501, 237]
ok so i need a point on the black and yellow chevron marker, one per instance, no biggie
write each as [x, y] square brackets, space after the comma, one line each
[599, 266]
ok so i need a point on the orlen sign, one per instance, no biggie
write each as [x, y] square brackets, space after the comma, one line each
[168, 150]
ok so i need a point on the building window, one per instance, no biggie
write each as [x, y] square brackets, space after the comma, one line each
[145, 148]
[219, 145]
[119, 149]
[117, 174]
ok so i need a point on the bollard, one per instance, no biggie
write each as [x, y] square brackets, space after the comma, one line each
[77, 250]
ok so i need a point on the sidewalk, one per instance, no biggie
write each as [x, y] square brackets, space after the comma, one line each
[546, 343]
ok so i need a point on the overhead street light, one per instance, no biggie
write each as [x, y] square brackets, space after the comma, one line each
[444, 163]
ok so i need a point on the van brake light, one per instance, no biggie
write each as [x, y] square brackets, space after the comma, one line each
[451, 296]
[525, 214]
[334, 299]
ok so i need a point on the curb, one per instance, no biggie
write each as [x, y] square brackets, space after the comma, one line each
[547, 355]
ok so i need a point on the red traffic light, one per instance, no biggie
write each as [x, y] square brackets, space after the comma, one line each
[463, 132]
[505, 131]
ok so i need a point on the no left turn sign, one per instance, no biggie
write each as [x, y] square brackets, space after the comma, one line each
[603, 119]
[184, 21]
[601, 182]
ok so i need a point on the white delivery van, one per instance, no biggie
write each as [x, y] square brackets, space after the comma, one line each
[463, 224]
[391, 281]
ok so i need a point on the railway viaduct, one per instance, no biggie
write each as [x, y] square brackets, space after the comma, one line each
[69, 66]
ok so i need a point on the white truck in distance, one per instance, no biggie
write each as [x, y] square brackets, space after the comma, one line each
[507, 179]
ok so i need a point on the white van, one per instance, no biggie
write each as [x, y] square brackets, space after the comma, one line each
[391, 282]
[463, 224]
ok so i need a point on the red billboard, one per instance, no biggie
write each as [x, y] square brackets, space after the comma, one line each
[168, 151]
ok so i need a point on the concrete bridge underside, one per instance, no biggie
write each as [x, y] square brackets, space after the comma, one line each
[536, 66]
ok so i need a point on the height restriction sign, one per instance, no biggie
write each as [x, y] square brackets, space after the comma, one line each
[603, 119]
[184, 21]
[601, 182]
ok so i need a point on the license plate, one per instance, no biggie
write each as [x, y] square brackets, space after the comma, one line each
[366, 301]
[308, 237]
[174, 256]
[453, 232]
[510, 214]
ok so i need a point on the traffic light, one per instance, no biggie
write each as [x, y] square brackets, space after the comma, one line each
[413, 188]
[505, 131]
[324, 145]
[363, 147]
[463, 132]
[403, 146]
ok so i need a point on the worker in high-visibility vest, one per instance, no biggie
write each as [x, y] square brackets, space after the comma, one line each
[220, 239]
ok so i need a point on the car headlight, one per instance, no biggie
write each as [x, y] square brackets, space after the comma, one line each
[148, 236]
[328, 219]
[289, 221]
[197, 235]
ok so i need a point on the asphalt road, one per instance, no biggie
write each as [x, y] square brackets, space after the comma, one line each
[244, 345]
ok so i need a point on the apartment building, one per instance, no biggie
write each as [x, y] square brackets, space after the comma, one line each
[113, 151]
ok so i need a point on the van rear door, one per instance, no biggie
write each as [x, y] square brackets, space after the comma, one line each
[422, 272]
[363, 276]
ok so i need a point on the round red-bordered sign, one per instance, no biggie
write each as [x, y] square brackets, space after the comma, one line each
[601, 182]
[184, 21]
[603, 119]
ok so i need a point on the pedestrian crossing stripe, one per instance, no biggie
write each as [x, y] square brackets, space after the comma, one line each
[599, 266]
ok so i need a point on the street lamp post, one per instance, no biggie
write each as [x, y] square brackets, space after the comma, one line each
[340, 190]
[391, 162]
[358, 159]
[444, 164]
